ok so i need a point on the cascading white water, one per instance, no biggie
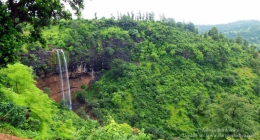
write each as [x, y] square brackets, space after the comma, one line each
[60, 72]
[66, 96]
[67, 79]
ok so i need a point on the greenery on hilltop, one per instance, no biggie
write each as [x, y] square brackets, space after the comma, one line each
[174, 82]
[248, 29]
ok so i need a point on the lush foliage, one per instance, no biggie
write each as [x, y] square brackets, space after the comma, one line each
[161, 76]
[164, 77]
[15, 14]
[27, 112]
[234, 114]
[10, 39]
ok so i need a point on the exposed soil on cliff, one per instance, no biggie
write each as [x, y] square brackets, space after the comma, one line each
[52, 82]
[10, 137]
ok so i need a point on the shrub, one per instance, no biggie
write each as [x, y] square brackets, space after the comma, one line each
[229, 81]
[257, 90]
[117, 68]
[32, 124]
[83, 86]
[79, 95]
[81, 112]
[47, 90]
[11, 113]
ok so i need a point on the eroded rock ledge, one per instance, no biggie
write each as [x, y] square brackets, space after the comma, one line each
[45, 67]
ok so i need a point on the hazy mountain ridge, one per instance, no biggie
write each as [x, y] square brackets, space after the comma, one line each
[248, 29]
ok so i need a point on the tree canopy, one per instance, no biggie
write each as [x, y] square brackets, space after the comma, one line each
[15, 14]
[157, 75]
[29, 113]
[164, 77]
[235, 114]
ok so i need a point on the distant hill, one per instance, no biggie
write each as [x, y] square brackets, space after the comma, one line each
[248, 29]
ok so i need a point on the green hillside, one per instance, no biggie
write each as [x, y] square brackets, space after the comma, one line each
[160, 80]
[248, 29]
[165, 78]
[27, 112]
[150, 79]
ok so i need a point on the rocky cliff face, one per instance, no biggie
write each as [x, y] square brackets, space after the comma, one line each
[52, 82]
[98, 60]
[45, 67]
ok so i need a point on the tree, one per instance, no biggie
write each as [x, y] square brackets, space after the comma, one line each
[257, 88]
[235, 116]
[10, 38]
[14, 14]
[151, 16]
[246, 43]
[180, 25]
[205, 35]
[170, 22]
[95, 14]
[162, 18]
[18, 77]
[191, 27]
[197, 99]
[117, 98]
[221, 36]
[239, 39]
[214, 33]
[117, 68]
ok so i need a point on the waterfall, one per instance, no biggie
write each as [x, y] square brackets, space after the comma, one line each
[67, 79]
[60, 72]
[65, 93]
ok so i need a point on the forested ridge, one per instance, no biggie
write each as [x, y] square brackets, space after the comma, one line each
[162, 80]
[166, 78]
[247, 29]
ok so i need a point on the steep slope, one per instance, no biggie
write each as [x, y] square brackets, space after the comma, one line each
[164, 78]
[29, 113]
[172, 82]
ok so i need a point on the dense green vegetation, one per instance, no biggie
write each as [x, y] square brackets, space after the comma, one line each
[16, 14]
[248, 29]
[27, 112]
[166, 78]
[163, 79]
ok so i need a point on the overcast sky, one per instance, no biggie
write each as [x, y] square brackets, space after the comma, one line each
[196, 11]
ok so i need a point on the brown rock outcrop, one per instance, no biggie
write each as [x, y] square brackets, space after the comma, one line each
[52, 81]
[10, 137]
[47, 69]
